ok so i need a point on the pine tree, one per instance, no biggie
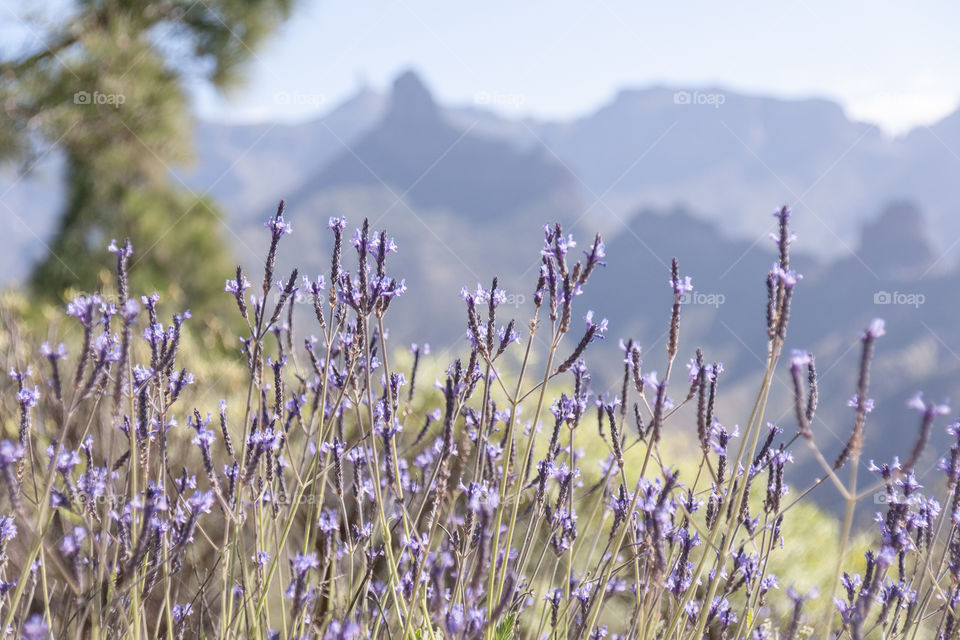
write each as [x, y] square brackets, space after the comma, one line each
[106, 89]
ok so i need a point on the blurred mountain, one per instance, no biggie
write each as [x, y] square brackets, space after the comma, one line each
[720, 154]
[417, 154]
[723, 156]
[897, 243]
[244, 167]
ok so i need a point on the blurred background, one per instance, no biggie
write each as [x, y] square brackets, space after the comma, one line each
[675, 130]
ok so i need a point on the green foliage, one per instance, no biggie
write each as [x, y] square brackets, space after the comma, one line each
[106, 91]
[505, 630]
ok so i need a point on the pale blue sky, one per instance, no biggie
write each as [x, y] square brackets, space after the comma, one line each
[889, 62]
[892, 63]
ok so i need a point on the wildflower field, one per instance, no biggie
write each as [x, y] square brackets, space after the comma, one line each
[349, 487]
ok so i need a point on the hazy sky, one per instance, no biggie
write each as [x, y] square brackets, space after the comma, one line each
[893, 63]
